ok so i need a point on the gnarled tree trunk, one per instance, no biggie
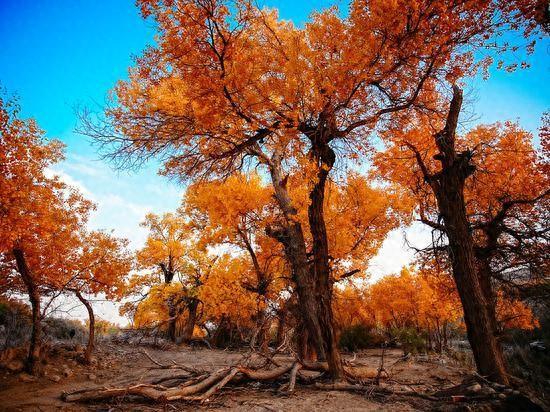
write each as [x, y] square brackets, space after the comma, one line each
[448, 187]
[189, 327]
[486, 284]
[91, 327]
[168, 272]
[33, 357]
[321, 266]
[313, 284]
[172, 319]
[291, 235]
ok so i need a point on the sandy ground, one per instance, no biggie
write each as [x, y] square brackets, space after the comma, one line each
[124, 365]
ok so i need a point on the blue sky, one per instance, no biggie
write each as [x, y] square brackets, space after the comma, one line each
[59, 54]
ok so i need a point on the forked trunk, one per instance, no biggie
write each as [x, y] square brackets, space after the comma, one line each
[291, 235]
[313, 283]
[33, 357]
[91, 327]
[448, 186]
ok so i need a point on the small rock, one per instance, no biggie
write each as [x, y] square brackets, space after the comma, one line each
[508, 390]
[15, 366]
[25, 377]
[67, 372]
[502, 396]
[476, 387]
[516, 393]
[92, 377]
[54, 378]
[488, 391]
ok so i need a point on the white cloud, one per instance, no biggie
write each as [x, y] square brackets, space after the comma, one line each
[68, 179]
[396, 252]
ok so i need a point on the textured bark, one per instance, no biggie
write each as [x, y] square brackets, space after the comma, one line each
[91, 327]
[448, 186]
[191, 319]
[313, 283]
[33, 357]
[291, 235]
[321, 265]
[172, 320]
[168, 272]
[485, 282]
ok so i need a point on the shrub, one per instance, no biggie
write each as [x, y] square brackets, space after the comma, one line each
[64, 329]
[411, 340]
[15, 323]
[357, 337]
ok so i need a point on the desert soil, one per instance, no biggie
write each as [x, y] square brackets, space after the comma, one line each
[122, 365]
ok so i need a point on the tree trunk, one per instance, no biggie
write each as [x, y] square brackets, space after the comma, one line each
[33, 357]
[191, 319]
[168, 272]
[281, 324]
[91, 327]
[487, 353]
[485, 277]
[313, 285]
[172, 319]
[321, 265]
[291, 235]
[448, 186]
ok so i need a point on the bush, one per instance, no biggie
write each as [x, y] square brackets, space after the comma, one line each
[411, 340]
[357, 337]
[15, 323]
[65, 329]
[530, 365]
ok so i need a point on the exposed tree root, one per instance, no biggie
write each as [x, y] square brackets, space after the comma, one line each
[199, 386]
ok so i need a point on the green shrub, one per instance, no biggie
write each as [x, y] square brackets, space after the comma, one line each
[359, 337]
[411, 340]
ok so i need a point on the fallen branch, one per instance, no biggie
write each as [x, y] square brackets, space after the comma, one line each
[201, 386]
[174, 365]
[372, 390]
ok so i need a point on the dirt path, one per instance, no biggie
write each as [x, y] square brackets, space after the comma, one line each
[123, 365]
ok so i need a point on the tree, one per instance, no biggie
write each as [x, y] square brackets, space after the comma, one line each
[230, 84]
[173, 255]
[447, 184]
[98, 265]
[39, 215]
[497, 218]
[235, 212]
[164, 256]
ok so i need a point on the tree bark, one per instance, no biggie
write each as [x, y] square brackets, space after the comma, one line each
[448, 187]
[191, 319]
[172, 319]
[321, 265]
[168, 272]
[313, 284]
[291, 235]
[33, 357]
[91, 327]
[485, 282]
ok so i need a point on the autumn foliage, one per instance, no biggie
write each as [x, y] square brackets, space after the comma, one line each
[301, 149]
